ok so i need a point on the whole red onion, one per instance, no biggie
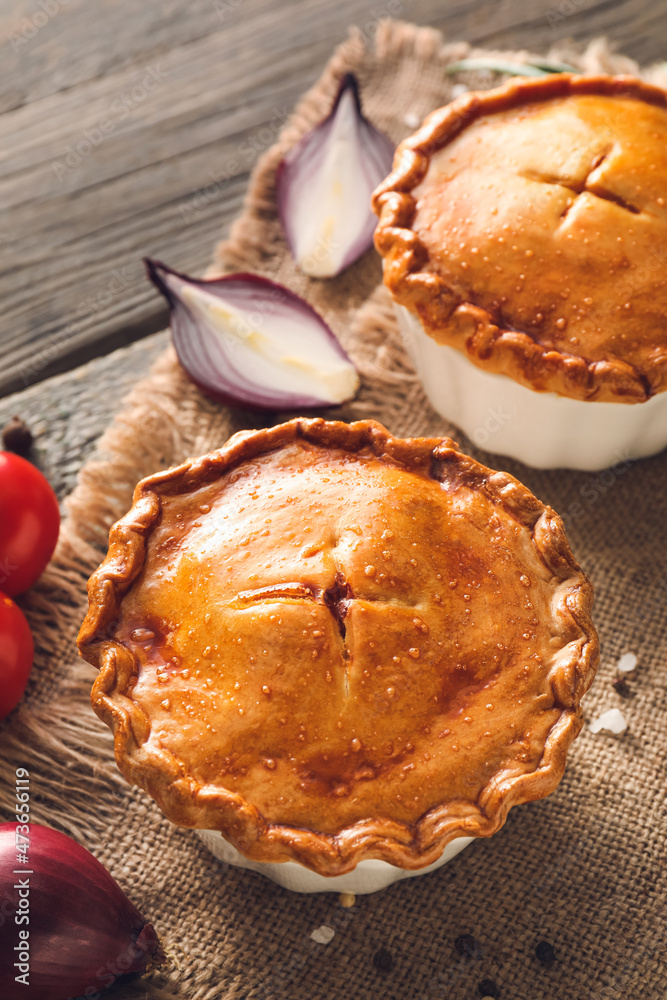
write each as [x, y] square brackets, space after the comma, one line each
[67, 928]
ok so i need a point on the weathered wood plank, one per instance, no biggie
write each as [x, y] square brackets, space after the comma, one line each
[54, 46]
[129, 130]
[68, 413]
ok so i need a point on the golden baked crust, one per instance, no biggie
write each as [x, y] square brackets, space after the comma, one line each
[527, 226]
[331, 644]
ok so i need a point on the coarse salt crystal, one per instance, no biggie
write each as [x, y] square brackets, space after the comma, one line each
[613, 721]
[411, 119]
[627, 663]
[323, 934]
[459, 89]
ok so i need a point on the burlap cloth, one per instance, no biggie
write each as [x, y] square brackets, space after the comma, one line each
[584, 869]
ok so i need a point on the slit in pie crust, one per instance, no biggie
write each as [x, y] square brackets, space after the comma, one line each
[331, 644]
[527, 227]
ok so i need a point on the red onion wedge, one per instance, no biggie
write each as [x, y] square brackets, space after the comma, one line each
[68, 930]
[324, 186]
[247, 340]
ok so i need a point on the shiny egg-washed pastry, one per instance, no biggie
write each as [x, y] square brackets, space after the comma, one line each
[331, 644]
[526, 226]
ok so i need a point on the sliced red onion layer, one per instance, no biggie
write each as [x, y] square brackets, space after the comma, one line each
[324, 186]
[248, 340]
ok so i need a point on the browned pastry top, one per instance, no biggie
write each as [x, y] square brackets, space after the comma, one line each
[332, 644]
[528, 226]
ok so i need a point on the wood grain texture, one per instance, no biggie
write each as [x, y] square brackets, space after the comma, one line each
[130, 129]
[68, 413]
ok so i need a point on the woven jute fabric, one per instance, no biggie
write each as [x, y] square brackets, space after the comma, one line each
[584, 869]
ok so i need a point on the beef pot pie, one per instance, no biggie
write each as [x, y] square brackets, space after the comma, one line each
[334, 648]
[524, 237]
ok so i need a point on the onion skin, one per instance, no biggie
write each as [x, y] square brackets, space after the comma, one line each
[83, 932]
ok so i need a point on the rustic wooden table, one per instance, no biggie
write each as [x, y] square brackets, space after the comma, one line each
[130, 129]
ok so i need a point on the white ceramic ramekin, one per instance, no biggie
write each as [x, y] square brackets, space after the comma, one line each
[368, 876]
[538, 428]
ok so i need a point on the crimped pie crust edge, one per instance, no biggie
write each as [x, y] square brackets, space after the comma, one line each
[188, 803]
[470, 328]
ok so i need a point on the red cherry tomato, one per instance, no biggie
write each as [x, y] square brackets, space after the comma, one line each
[29, 522]
[16, 652]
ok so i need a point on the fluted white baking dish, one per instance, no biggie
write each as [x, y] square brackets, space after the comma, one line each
[368, 876]
[540, 429]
